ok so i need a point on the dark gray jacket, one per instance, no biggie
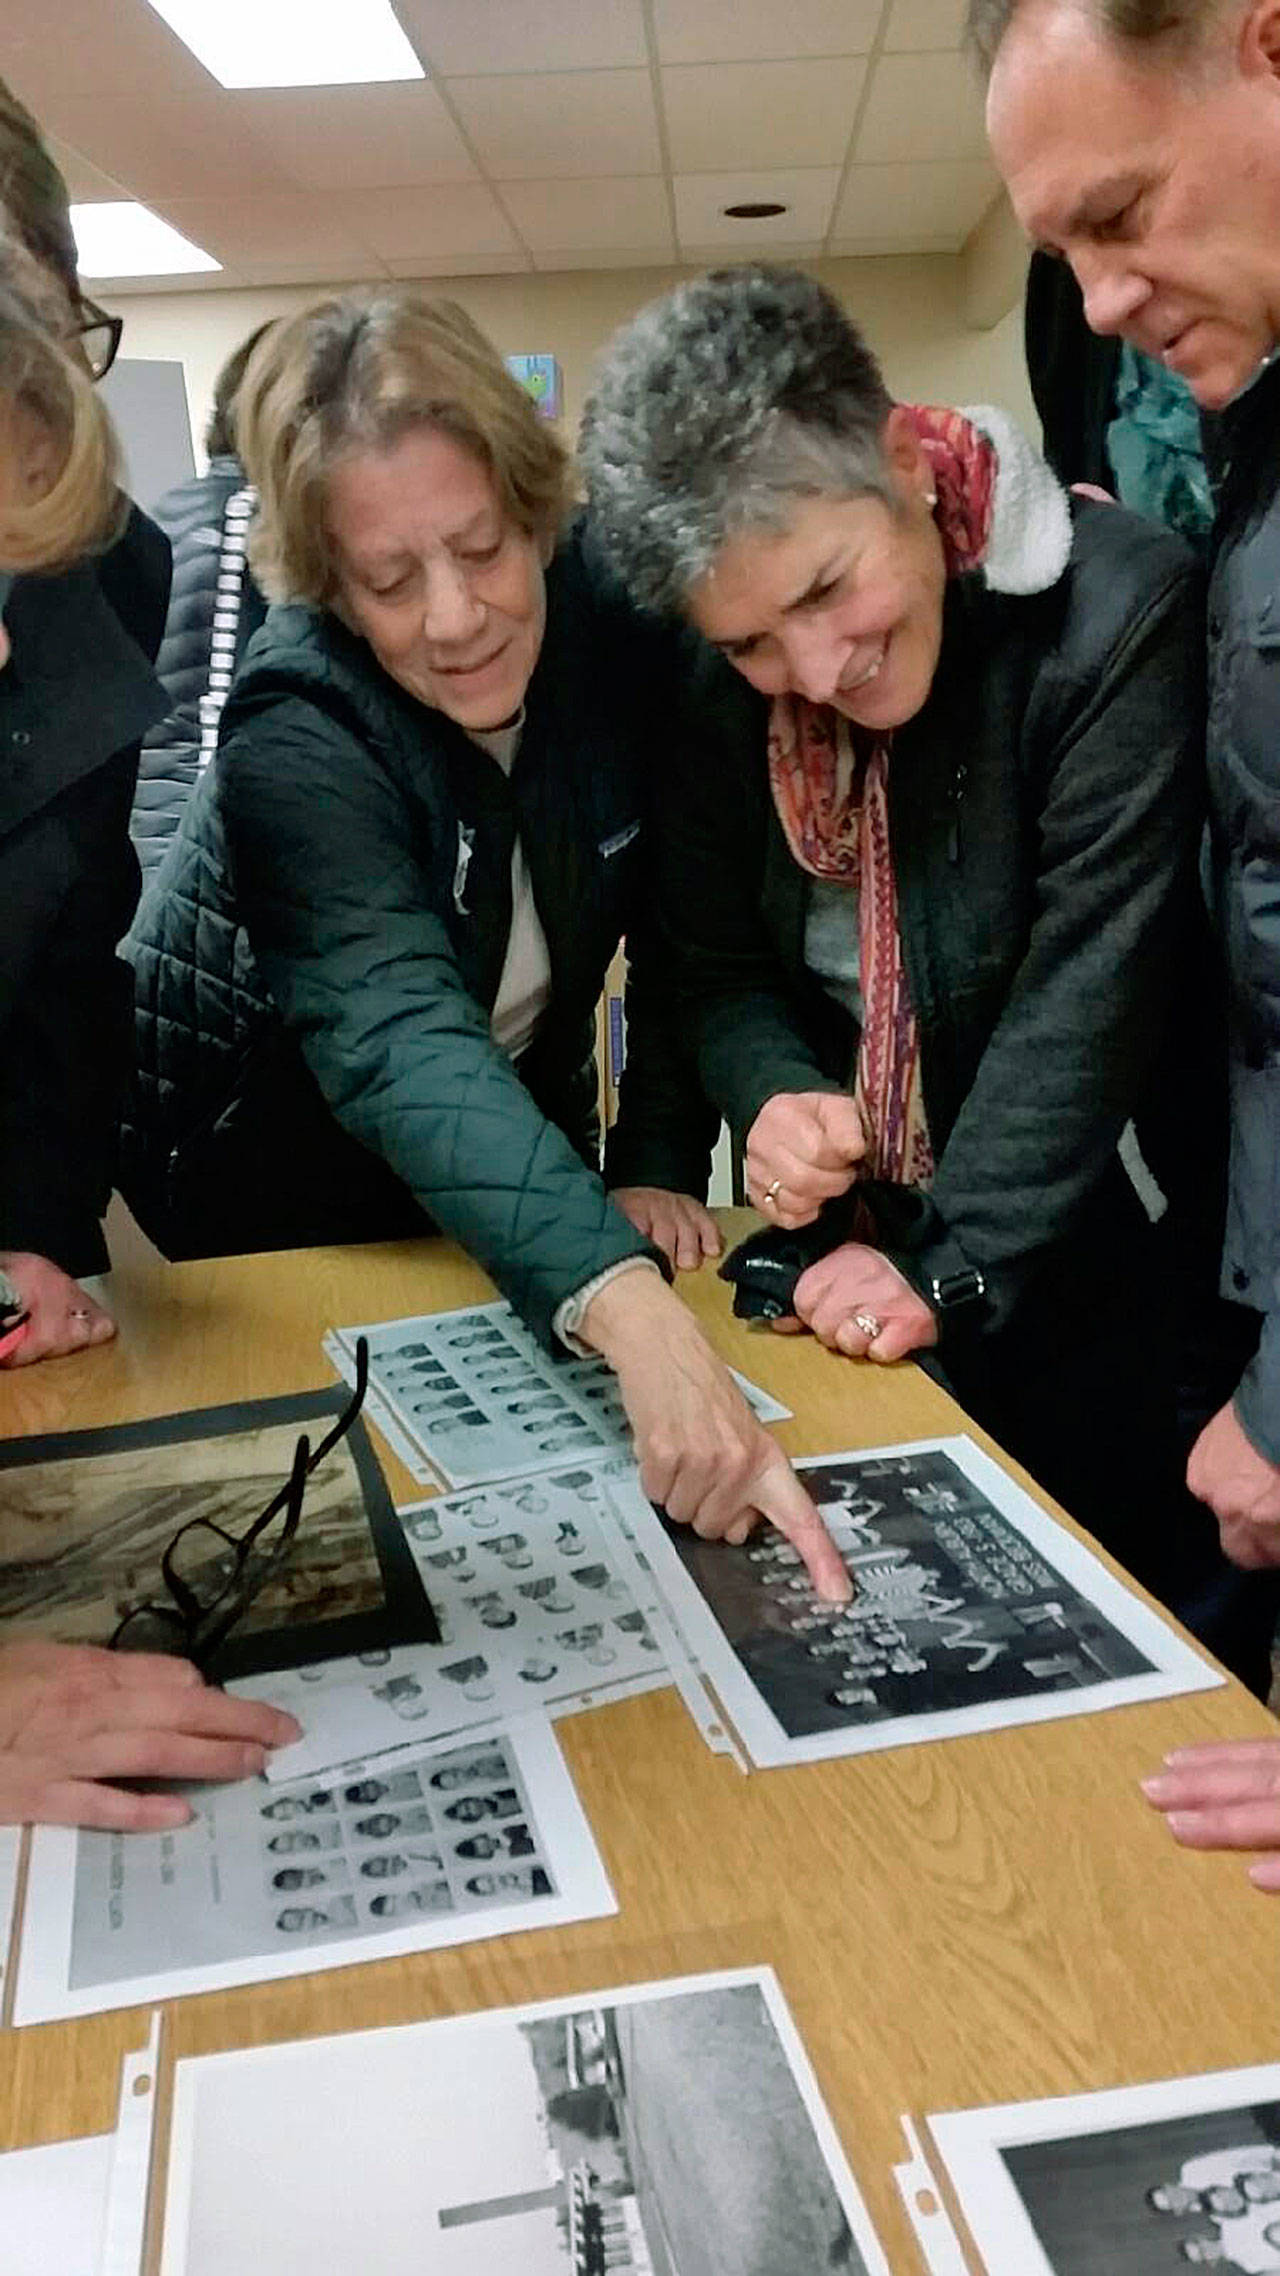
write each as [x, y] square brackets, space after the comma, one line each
[1045, 809]
[1244, 782]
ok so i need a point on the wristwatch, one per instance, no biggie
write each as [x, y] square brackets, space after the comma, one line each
[959, 1298]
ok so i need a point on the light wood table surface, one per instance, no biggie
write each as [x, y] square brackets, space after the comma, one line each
[990, 1919]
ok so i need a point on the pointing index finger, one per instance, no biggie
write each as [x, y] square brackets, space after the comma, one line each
[782, 1499]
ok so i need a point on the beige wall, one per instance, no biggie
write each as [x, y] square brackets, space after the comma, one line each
[913, 309]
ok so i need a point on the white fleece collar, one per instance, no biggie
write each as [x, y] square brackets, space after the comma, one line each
[1030, 541]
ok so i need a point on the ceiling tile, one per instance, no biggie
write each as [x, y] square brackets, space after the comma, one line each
[730, 115]
[620, 256]
[921, 106]
[352, 269]
[746, 31]
[157, 143]
[925, 203]
[593, 215]
[80, 47]
[552, 125]
[490, 265]
[84, 182]
[455, 220]
[806, 192]
[363, 137]
[456, 37]
[249, 232]
[721, 257]
[924, 24]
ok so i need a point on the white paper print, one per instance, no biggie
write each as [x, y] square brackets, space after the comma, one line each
[483, 1400]
[79, 2208]
[617, 2131]
[975, 1611]
[1144, 2179]
[52, 2203]
[529, 1584]
[479, 1840]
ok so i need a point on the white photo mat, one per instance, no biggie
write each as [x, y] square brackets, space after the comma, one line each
[475, 1393]
[448, 2135]
[877, 1640]
[972, 2145]
[10, 1866]
[116, 1920]
[540, 1606]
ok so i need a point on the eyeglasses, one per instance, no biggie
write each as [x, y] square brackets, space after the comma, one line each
[99, 337]
[211, 1576]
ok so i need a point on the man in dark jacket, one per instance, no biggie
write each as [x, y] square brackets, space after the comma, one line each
[214, 609]
[1143, 145]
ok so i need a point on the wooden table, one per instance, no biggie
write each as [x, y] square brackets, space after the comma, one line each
[990, 1919]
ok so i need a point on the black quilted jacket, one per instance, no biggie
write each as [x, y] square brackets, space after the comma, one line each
[317, 959]
[214, 609]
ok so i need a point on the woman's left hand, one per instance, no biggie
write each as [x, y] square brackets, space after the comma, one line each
[856, 1302]
[675, 1223]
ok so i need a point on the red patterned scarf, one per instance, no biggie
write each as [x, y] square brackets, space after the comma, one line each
[831, 790]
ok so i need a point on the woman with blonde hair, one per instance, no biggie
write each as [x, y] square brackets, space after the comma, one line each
[72, 1719]
[367, 972]
[83, 618]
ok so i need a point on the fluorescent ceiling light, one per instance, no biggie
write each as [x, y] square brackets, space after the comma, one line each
[121, 239]
[293, 43]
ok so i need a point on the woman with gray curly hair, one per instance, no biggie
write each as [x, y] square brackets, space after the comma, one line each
[928, 873]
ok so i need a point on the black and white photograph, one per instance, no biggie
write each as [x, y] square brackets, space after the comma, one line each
[973, 1609]
[547, 2141]
[1144, 2181]
[480, 1398]
[535, 1606]
[86, 1517]
[447, 1846]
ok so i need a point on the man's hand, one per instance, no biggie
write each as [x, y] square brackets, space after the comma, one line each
[842, 1294]
[63, 1319]
[702, 1454]
[675, 1223]
[73, 1718]
[1224, 1796]
[803, 1148]
[1241, 1488]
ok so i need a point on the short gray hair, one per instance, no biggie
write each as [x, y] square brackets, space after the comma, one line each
[1180, 23]
[714, 411]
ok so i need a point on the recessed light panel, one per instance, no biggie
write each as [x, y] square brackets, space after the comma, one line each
[293, 43]
[121, 239]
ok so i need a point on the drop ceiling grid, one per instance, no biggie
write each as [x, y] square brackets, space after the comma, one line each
[557, 134]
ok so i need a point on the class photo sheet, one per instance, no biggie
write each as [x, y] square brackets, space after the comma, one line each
[672, 2129]
[446, 1846]
[974, 1610]
[538, 1604]
[476, 1395]
[1140, 2181]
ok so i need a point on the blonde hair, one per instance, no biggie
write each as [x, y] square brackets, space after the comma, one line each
[358, 373]
[80, 506]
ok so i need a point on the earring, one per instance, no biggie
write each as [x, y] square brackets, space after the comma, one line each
[931, 497]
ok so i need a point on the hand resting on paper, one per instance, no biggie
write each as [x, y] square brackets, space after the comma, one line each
[675, 1223]
[1224, 1796]
[73, 1718]
[702, 1454]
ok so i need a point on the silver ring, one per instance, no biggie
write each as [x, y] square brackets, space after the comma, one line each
[868, 1325]
[78, 1312]
[771, 1193]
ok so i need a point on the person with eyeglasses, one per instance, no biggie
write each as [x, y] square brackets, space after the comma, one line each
[74, 1720]
[83, 617]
